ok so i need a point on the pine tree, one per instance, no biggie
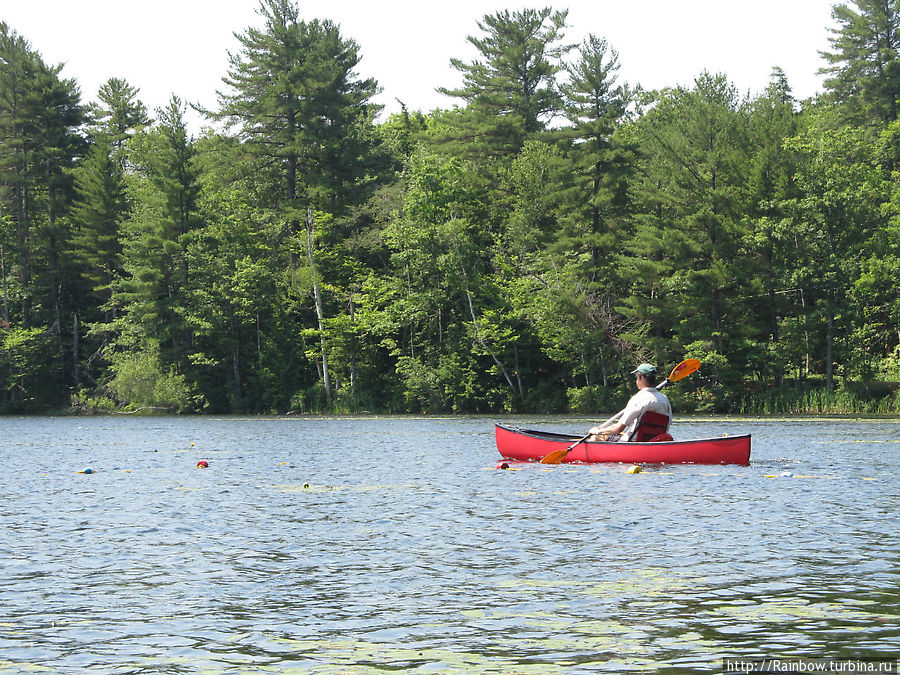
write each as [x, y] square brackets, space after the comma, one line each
[685, 251]
[596, 106]
[101, 206]
[98, 211]
[164, 187]
[298, 106]
[119, 114]
[772, 119]
[864, 71]
[511, 91]
[306, 118]
[39, 115]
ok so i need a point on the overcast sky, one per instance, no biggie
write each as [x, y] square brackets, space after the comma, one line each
[181, 46]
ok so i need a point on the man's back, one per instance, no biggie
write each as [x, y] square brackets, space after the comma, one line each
[646, 399]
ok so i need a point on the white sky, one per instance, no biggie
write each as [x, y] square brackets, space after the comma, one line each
[181, 46]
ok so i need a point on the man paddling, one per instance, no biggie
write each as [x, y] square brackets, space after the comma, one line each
[647, 399]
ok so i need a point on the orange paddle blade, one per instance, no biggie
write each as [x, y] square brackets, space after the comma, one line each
[684, 369]
[555, 457]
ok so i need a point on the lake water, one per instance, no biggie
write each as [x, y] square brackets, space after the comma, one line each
[338, 545]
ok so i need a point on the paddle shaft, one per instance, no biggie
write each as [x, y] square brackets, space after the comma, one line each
[580, 440]
[613, 418]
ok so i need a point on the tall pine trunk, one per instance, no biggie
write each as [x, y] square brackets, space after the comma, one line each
[353, 364]
[317, 295]
[236, 368]
[76, 348]
[4, 304]
[829, 353]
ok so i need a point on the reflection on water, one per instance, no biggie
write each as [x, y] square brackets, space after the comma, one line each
[358, 545]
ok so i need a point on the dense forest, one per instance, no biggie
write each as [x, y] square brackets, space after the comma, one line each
[518, 252]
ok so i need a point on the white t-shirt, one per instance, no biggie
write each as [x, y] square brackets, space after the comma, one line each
[647, 399]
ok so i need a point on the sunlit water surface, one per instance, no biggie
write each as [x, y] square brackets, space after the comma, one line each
[336, 545]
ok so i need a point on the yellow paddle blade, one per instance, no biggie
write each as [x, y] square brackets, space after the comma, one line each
[684, 369]
[555, 457]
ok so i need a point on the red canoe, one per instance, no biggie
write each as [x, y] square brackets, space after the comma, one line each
[530, 445]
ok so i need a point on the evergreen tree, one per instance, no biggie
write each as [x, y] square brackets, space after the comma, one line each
[864, 71]
[39, 115]
[119, 114]
[98, 211]
[16, 114]
[299, 107]
[511, 91]
[307, 118]
[836, 212]
[685, 264]
[772, 119]
[596, 203]
[164, 189]
[544, 264]
[595, 107]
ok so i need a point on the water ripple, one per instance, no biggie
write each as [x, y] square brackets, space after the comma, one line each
[360, 545]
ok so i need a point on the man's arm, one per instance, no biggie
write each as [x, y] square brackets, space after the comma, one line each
[603, 433]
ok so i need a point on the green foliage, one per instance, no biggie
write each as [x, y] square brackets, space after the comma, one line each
[87, 403]
[890, 366]
[139, 381]
[518, 253]
[807, 401]
[119, 113]
[593, 400]
[39, 143]
[97, 213]
[864, 71]
[28, 371]
[511, 91]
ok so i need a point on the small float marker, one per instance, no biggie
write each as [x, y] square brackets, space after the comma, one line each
[634, 468]
[87, 469]
[202, 464]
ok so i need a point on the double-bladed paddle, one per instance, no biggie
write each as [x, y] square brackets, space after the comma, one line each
[679, 372]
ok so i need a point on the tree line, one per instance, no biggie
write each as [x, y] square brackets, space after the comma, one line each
[519, 251]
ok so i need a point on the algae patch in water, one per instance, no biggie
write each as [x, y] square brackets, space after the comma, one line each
[20, 667]
[362, 656]
[780, 611]
[310, 487]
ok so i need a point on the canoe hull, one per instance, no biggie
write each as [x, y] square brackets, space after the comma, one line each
[528, 445]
